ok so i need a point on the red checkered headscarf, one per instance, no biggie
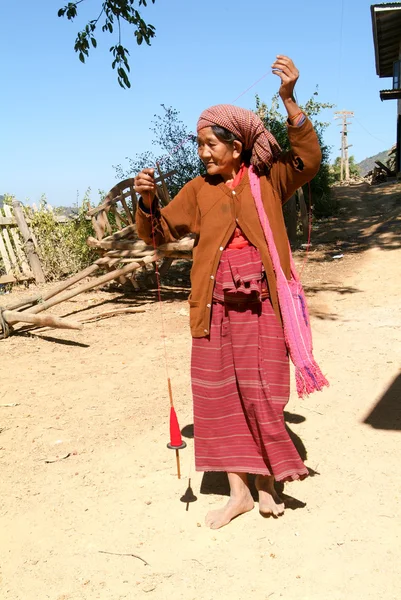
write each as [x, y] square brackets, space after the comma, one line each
[248, 128]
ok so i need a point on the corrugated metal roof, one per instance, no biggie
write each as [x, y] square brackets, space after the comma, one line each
[386, 23]
[387, 4]
[390, 94]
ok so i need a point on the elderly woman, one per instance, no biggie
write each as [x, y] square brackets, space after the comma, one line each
[240, 366]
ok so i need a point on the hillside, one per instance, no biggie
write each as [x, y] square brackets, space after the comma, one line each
[367, 164]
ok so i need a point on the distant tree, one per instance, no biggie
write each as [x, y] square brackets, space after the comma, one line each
[335, 169]
[176, 150]
[276, 122]
[111, 13]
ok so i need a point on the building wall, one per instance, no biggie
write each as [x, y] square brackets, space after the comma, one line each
[398, 130]
[399, 99]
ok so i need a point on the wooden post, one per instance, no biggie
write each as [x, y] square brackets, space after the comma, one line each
[344, 115]
[26, 233]
[304, 214]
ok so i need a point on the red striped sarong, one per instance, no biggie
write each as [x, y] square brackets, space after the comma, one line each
[240, 385]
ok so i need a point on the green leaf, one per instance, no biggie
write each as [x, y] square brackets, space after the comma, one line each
[123, 75]
[111, 11]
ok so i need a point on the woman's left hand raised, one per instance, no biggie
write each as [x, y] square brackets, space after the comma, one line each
[288, 73]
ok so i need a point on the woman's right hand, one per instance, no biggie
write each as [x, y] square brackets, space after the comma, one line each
[145, 186]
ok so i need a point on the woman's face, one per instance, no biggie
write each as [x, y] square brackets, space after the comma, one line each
[218, 157]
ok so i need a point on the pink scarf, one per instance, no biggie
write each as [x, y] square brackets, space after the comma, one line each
[294, 312]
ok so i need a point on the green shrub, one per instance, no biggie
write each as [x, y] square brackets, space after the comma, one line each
[323, 202]
[62, 247]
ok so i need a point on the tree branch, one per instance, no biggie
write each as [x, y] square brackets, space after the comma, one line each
[113, 9]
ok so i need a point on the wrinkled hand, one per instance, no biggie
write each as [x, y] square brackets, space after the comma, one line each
[288, 73]
[145, 186]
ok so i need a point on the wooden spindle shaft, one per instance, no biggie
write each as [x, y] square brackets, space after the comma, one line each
[177, 458]
[170, 391]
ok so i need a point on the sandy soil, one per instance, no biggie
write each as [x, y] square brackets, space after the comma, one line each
[107, 521]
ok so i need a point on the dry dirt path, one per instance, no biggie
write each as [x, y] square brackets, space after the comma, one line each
[100, 396]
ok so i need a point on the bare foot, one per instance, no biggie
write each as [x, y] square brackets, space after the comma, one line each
[270, 502]
[237, 505]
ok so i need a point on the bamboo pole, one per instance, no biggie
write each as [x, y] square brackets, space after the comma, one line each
[92, 284]
[107, 244]
[119, 235]
[117, 216]
[179, 249]
[33, 300]
[129, 253]
[184, 245]
[14, 316]
[126, 254]
[127, 211]
[96, 227]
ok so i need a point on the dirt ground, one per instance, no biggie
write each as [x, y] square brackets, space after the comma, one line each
[90, 501]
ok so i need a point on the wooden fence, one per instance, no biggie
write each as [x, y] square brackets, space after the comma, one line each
[14, 266]
[19, 260]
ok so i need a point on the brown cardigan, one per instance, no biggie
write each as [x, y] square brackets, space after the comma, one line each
[207, 207]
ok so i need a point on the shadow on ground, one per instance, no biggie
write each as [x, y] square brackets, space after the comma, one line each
[367, 216]
[48, 338]
[387, 412]
[217, 482]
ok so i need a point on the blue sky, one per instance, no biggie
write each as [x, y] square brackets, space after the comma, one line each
[64, 124]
